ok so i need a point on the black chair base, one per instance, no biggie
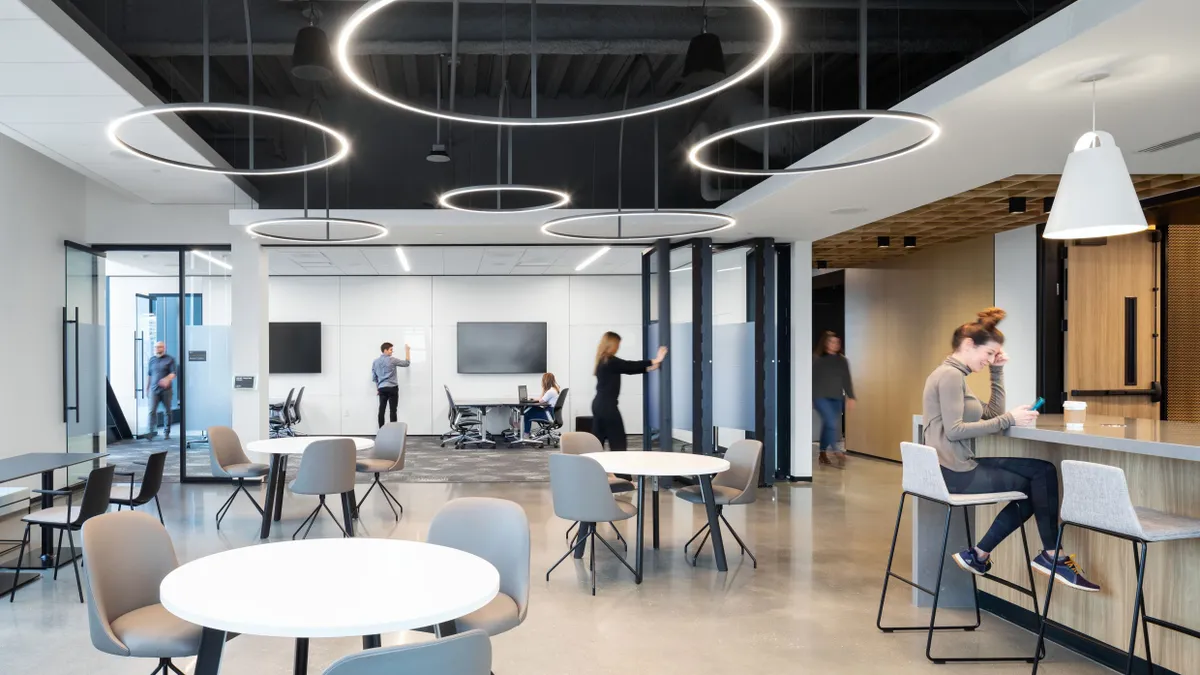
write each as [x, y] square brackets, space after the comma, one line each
[587, 531]
[387, 496]
[74, 559]
[706, 532]
[312, 519]
[134, 504]
[221, 512]
[936, 591]
[165, 667]
[573, 541]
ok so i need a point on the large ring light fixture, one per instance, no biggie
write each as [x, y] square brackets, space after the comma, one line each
[341, 150]
[720, 222]
[377, 231]
[560, 198]
[366, 12]
[931, 124]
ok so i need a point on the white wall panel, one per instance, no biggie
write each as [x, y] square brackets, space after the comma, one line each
[397, 301]
[296, 299]
[601, 300]
[359, 347]
[458, 299]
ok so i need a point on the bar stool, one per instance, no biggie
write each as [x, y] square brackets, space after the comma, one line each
[923, 480]
[1096, 498]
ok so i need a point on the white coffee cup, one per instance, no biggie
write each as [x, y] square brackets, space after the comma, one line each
[1075, 414]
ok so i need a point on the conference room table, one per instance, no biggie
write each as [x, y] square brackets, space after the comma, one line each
[486, 404]
[23, 466]
[657, 464]
[280, 449]
[306, 589]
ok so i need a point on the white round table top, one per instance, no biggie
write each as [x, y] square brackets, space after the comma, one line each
[656, 463]
[297, 444]
[329, 587]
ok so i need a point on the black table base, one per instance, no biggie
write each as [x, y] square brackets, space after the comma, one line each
[9, 581]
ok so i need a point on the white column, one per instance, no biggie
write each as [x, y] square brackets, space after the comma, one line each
[249, 335]
[801, 362]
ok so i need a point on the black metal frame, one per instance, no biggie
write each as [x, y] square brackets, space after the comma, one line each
[936, 592]
[240, 487]
[1051, 311]
[387, 496]
[783, 360]
[763, 289]
[68, 526]
[312, 517]
[703, 436]
[706, 530]
[587, 533]
[662, 263]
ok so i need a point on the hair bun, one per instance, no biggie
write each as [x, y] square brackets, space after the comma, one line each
[991, 316]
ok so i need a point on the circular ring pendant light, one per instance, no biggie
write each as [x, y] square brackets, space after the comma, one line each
[560, 198]
[361, 18]
[250, 111]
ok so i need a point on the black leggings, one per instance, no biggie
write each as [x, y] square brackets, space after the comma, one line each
[607, 425]
[1038, 479]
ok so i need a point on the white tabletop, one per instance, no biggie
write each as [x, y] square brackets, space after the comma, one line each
[297, 444]
[329, 587]
[654, 463]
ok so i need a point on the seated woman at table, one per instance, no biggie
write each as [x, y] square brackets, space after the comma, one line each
[549, 398]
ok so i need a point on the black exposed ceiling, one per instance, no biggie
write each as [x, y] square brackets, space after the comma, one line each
[586, 52]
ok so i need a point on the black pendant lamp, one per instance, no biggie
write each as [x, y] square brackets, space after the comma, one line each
[704, 54]
[311, 58]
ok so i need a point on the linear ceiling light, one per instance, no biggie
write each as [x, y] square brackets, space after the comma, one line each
[403, 259]
[345, 51]
[592, 258]
[212, 259]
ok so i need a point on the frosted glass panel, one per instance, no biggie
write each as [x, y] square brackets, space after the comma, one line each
[733, 375]
[209, 379]
[681, 376]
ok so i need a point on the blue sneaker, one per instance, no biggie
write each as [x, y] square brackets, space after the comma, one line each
[1066, 571]
[967, 560]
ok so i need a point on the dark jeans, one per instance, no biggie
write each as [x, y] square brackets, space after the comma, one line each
[608, 426]
[1038, 479]
[830, 410]
[162, 396]
[532, 414]
[389, 397]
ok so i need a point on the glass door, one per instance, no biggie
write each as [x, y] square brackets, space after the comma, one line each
[85, 403]
[145, 334]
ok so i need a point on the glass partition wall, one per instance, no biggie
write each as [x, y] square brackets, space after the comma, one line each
[83, 349]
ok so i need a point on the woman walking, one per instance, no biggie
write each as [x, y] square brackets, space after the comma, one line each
[833, 392]
[607, 424]
[953, 418]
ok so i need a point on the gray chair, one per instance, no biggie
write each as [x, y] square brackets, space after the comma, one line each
[1096, 497]
[580, 443]
[462, 654]
[327, 468]
[579, 487]
[387, 456]
[147, 490]
[68, 519]
[229, 459]
[730, 488]
[128, 555]
[496, 530]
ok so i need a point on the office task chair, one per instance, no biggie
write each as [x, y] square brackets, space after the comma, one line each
[546, 431]
[466, 425]
[296, 416]
[139, 495]
[281, 414]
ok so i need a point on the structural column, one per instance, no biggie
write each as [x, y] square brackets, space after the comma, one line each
[248, 328]
[801, 374]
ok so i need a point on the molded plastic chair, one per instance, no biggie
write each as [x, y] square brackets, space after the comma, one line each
[386, 457]
[579, 487]
[730, 488]
[229, 459]
[327, 468]
[147, 491]
[463, 654]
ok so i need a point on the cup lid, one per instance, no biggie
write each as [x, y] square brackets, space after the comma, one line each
[1075, 405]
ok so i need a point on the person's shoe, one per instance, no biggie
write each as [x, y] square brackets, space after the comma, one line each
[1066, 571]
[151, 436]
[967, 560]
[839, 460]
[823, 458]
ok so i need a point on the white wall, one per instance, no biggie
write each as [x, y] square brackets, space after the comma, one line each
[112, 218]
[1016, 293]
[359, 313]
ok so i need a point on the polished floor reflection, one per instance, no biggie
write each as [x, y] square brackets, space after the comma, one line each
[809, 607]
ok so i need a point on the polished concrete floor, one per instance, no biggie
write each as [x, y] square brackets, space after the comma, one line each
[809, 607]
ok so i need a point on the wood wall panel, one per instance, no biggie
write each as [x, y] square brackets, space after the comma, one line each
[900, 316]
[1183, 322]
[1172, 582]
[1099, 278]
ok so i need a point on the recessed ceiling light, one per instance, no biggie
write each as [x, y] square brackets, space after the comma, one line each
[593, 258]
[403, 259]
[883, 242]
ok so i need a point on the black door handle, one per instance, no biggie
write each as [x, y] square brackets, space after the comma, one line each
[77, 365]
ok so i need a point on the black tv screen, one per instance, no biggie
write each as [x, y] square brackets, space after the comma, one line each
[295, 348]
[488, 348]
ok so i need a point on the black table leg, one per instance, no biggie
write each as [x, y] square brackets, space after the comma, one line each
[654, 507]
[348, 512]
[372, 642]
[280, 487]
[300, 664]
[714, 523]
[208, 659]
[47, 558]
[268, 510]
[641, 528]
[582, 539]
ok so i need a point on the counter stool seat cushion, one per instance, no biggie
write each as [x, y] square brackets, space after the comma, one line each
[250, 470]
[1161, 526]
[368, 465]
[987, 498]
[498, 616]
[56, 515]
[618, 485]
[153, 632]
[724, 495]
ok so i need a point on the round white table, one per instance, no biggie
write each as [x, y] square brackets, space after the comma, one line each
[280, 449]
[325, 588]
[657, 464]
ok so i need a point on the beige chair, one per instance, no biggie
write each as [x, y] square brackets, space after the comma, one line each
[327, 468]
[730, 488]
[229, 459]
[128, 555]
[579, 487]
[386, 457]
[580, 443]
[496, 530]
[463, 654]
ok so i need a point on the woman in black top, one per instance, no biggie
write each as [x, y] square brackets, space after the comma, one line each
[607, 424]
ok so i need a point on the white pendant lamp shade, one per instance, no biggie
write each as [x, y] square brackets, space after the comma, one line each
[1095, 195]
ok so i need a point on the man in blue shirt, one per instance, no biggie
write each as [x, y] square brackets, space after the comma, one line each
[383, 374]
[160, 381]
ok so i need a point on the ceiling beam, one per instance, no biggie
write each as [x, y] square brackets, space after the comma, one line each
[383, 78]
[412, 82]
[582, 81]
[469, 69]
[562, 62]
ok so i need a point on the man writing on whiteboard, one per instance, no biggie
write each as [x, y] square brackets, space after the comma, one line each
[383, 374]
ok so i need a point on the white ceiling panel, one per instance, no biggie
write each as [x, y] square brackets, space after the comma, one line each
[32, 41]
[49, 79]
[450, 261]
[14, 10]
[63, 109]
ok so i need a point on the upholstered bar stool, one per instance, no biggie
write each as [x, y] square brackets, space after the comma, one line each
[1096, 498]
[923, 480]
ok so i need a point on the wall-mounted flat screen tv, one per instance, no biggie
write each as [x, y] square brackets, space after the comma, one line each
[493, 348]
[295, 348]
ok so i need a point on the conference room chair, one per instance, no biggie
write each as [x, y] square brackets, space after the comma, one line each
[296, 417]
[496, 530]
[327, 468]
[580, 443]
[229, 459]
[69, 519]
[466, 424]
[730, 488]
[125, 495]
[386, 457]
[463, 654]
[128, 555]
[280, 413]
[546, 431]
[580, 491]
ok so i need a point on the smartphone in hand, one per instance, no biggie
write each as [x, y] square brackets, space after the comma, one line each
[1037, 405]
